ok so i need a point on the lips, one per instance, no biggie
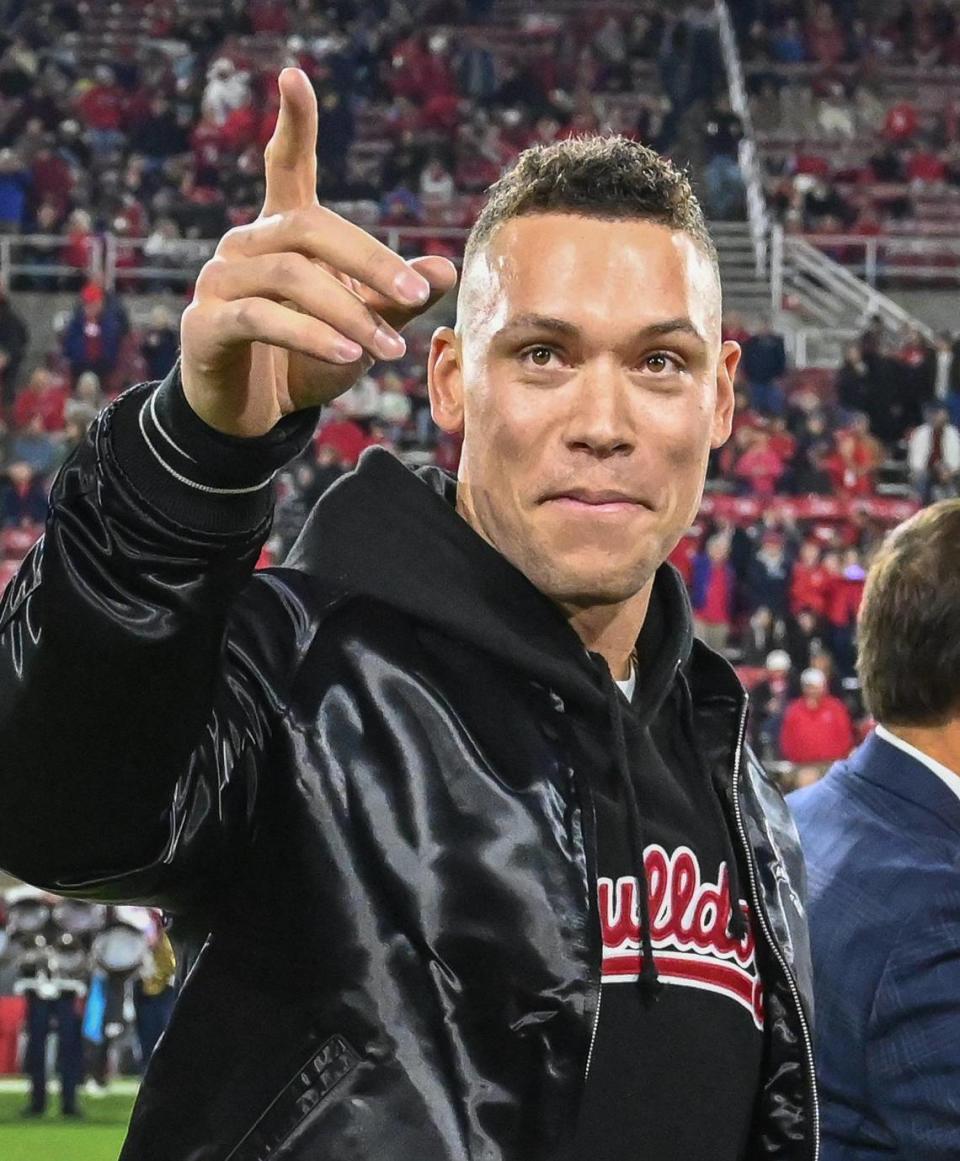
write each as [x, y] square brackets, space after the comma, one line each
[597, 502]
[598, 498]
[591, 496]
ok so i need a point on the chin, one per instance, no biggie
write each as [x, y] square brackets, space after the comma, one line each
[586, 586]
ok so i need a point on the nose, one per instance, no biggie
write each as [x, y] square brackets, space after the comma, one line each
[600, 420]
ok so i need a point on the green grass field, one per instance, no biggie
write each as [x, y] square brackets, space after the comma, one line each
[97, 1138]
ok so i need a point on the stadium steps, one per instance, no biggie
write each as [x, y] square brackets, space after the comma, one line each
[744, 290]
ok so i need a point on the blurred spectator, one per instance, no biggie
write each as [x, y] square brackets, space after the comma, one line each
[763, 634]
[93, 335]
[807, 638]
[763, 364]
[14, 337]
[87, 390]
[768, 579]
[760, 467]
[43, 397]
[227, 90]
[23, 499]
[933, 452]
[809, 582]
[769, 698]
[80, 241]
[100, 107]
[855, 458]
[816, 726]
[713, 592]
[33, 446]
[14, 183]
[844, 594]
[853, 383]
[723, 181]
[160, 343]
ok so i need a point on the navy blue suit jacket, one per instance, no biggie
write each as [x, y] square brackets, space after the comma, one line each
[881, 836]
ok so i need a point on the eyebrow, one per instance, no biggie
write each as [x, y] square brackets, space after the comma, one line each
[563, 327]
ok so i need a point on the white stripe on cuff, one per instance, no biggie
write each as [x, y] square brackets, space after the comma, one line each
[183, 479]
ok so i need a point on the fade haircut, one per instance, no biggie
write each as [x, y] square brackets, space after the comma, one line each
[908, 634]
[598, 177]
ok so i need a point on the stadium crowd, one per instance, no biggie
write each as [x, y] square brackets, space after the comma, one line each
[422, 106]
[856, 108]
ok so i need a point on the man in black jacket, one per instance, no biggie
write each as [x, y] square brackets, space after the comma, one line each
[455, 815]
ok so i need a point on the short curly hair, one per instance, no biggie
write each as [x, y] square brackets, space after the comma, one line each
[599, 177]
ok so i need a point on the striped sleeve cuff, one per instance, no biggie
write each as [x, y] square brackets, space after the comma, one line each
[198, 476]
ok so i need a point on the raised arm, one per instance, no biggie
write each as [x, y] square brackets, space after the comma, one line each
[139, 659]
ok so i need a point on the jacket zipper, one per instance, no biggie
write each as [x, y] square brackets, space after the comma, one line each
[768, 934]
[585, 795]
[596, 1026]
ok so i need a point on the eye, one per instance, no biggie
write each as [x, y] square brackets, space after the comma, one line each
[661, 361]
[538, 356]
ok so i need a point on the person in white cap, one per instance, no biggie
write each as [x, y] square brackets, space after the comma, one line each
[816, 726]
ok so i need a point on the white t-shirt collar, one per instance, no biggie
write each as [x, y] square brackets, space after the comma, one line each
[949, 777]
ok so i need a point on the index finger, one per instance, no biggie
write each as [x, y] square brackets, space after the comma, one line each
[317, 232]
[290, 158]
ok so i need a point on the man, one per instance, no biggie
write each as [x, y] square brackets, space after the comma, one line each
[713, 592]
[881, 835]
[816, 726]
[770, 697]
[458, 769]
[933, 450]
[764, 364]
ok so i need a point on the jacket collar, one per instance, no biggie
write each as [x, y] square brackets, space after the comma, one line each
[896, 772]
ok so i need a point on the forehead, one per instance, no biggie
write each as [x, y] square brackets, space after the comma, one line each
[595, 273]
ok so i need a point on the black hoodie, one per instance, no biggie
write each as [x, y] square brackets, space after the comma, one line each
[676, 1060]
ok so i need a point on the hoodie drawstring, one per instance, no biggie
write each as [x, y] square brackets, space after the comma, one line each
[649, 978]
[737, 925]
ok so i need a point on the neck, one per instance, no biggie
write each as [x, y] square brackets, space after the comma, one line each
[612, 630]
[941, 743]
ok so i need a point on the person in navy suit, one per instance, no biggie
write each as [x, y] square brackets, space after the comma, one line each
[881, 835]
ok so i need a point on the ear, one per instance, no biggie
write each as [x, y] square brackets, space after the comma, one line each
[727, 365]
[445, 381]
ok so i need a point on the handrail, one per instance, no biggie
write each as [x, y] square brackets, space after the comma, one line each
[852, 291]
[894, 246]
[757, 214]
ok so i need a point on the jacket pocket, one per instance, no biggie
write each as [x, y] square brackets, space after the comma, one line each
[313, 1083]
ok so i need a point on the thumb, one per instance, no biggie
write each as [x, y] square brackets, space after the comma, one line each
[439, 272]
[290, 158]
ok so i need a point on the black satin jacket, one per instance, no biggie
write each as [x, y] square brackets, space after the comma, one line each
[375, 832]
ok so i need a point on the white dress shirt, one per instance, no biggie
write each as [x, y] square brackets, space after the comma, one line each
[949, 777]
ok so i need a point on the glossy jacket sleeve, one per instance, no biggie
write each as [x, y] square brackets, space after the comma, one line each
[140, 660]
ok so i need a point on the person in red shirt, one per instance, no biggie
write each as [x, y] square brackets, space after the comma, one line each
[816, 726]
[713, 592]
[902, 121]
[44, 395]
[826, 42]
[760, 468]
[102, 108]
[809, 581]
[926, 165]
[852, 464]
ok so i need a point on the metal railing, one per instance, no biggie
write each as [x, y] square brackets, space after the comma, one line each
[143, 262]
[757, 214]
[835, 294]
[896, 257]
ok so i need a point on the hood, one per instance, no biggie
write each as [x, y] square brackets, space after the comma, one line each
[388, 532]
